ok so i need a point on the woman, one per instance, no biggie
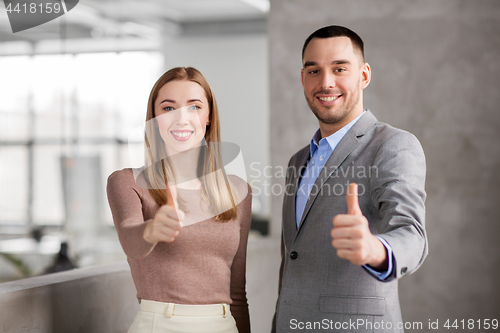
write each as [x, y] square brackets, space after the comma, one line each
[185, 242]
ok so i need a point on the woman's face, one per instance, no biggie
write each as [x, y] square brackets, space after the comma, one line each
[182, 112]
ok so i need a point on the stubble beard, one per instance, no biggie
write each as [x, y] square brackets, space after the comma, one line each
[334, 117]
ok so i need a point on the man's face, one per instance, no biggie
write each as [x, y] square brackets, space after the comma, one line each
[333, 77]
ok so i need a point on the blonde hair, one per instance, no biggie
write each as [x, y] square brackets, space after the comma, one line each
[216, 189]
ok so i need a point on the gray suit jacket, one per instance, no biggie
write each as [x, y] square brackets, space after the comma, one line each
[317, 289]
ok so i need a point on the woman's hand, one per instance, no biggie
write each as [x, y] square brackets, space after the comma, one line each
[167, 223]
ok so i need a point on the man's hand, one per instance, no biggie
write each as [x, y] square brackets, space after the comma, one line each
[352, 237]
[167, 223]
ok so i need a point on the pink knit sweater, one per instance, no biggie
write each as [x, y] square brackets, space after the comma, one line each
[205, 264]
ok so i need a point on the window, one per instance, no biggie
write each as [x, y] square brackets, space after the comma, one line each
[55, 107]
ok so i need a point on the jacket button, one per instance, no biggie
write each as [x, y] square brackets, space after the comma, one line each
[403, 270]
[293, 255]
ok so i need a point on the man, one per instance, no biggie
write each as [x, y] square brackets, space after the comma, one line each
[342, 256]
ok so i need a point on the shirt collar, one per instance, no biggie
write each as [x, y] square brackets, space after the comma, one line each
[334, 139]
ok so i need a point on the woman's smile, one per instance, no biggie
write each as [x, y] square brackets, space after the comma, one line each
[182, 135]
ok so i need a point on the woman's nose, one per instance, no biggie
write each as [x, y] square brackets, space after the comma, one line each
[182, 116]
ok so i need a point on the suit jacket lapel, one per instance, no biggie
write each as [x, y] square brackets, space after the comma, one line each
[291, 188]
[345, 147]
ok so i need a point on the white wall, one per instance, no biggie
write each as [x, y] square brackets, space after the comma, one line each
[236, 67]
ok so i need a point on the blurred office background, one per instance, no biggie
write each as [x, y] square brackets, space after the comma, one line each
[72, 91]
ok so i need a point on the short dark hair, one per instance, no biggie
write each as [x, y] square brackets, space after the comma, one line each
[337, 31]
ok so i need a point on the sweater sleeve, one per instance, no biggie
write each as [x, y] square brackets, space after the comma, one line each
[239, 307]
[126, 208]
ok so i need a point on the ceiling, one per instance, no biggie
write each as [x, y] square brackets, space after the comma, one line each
[146, 20]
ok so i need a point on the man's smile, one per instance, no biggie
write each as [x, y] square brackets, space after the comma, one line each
[325, 100]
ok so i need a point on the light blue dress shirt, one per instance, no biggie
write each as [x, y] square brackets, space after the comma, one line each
[320, 152]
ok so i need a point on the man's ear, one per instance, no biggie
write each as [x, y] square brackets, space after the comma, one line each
[302, 76]
[366, 75]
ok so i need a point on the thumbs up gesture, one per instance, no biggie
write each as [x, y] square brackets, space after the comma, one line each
[167, 223]
[352, 238]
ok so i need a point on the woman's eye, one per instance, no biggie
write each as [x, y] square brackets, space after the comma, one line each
[169, 108]
[194, 107]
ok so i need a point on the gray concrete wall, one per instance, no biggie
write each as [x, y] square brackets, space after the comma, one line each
[435, 69]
